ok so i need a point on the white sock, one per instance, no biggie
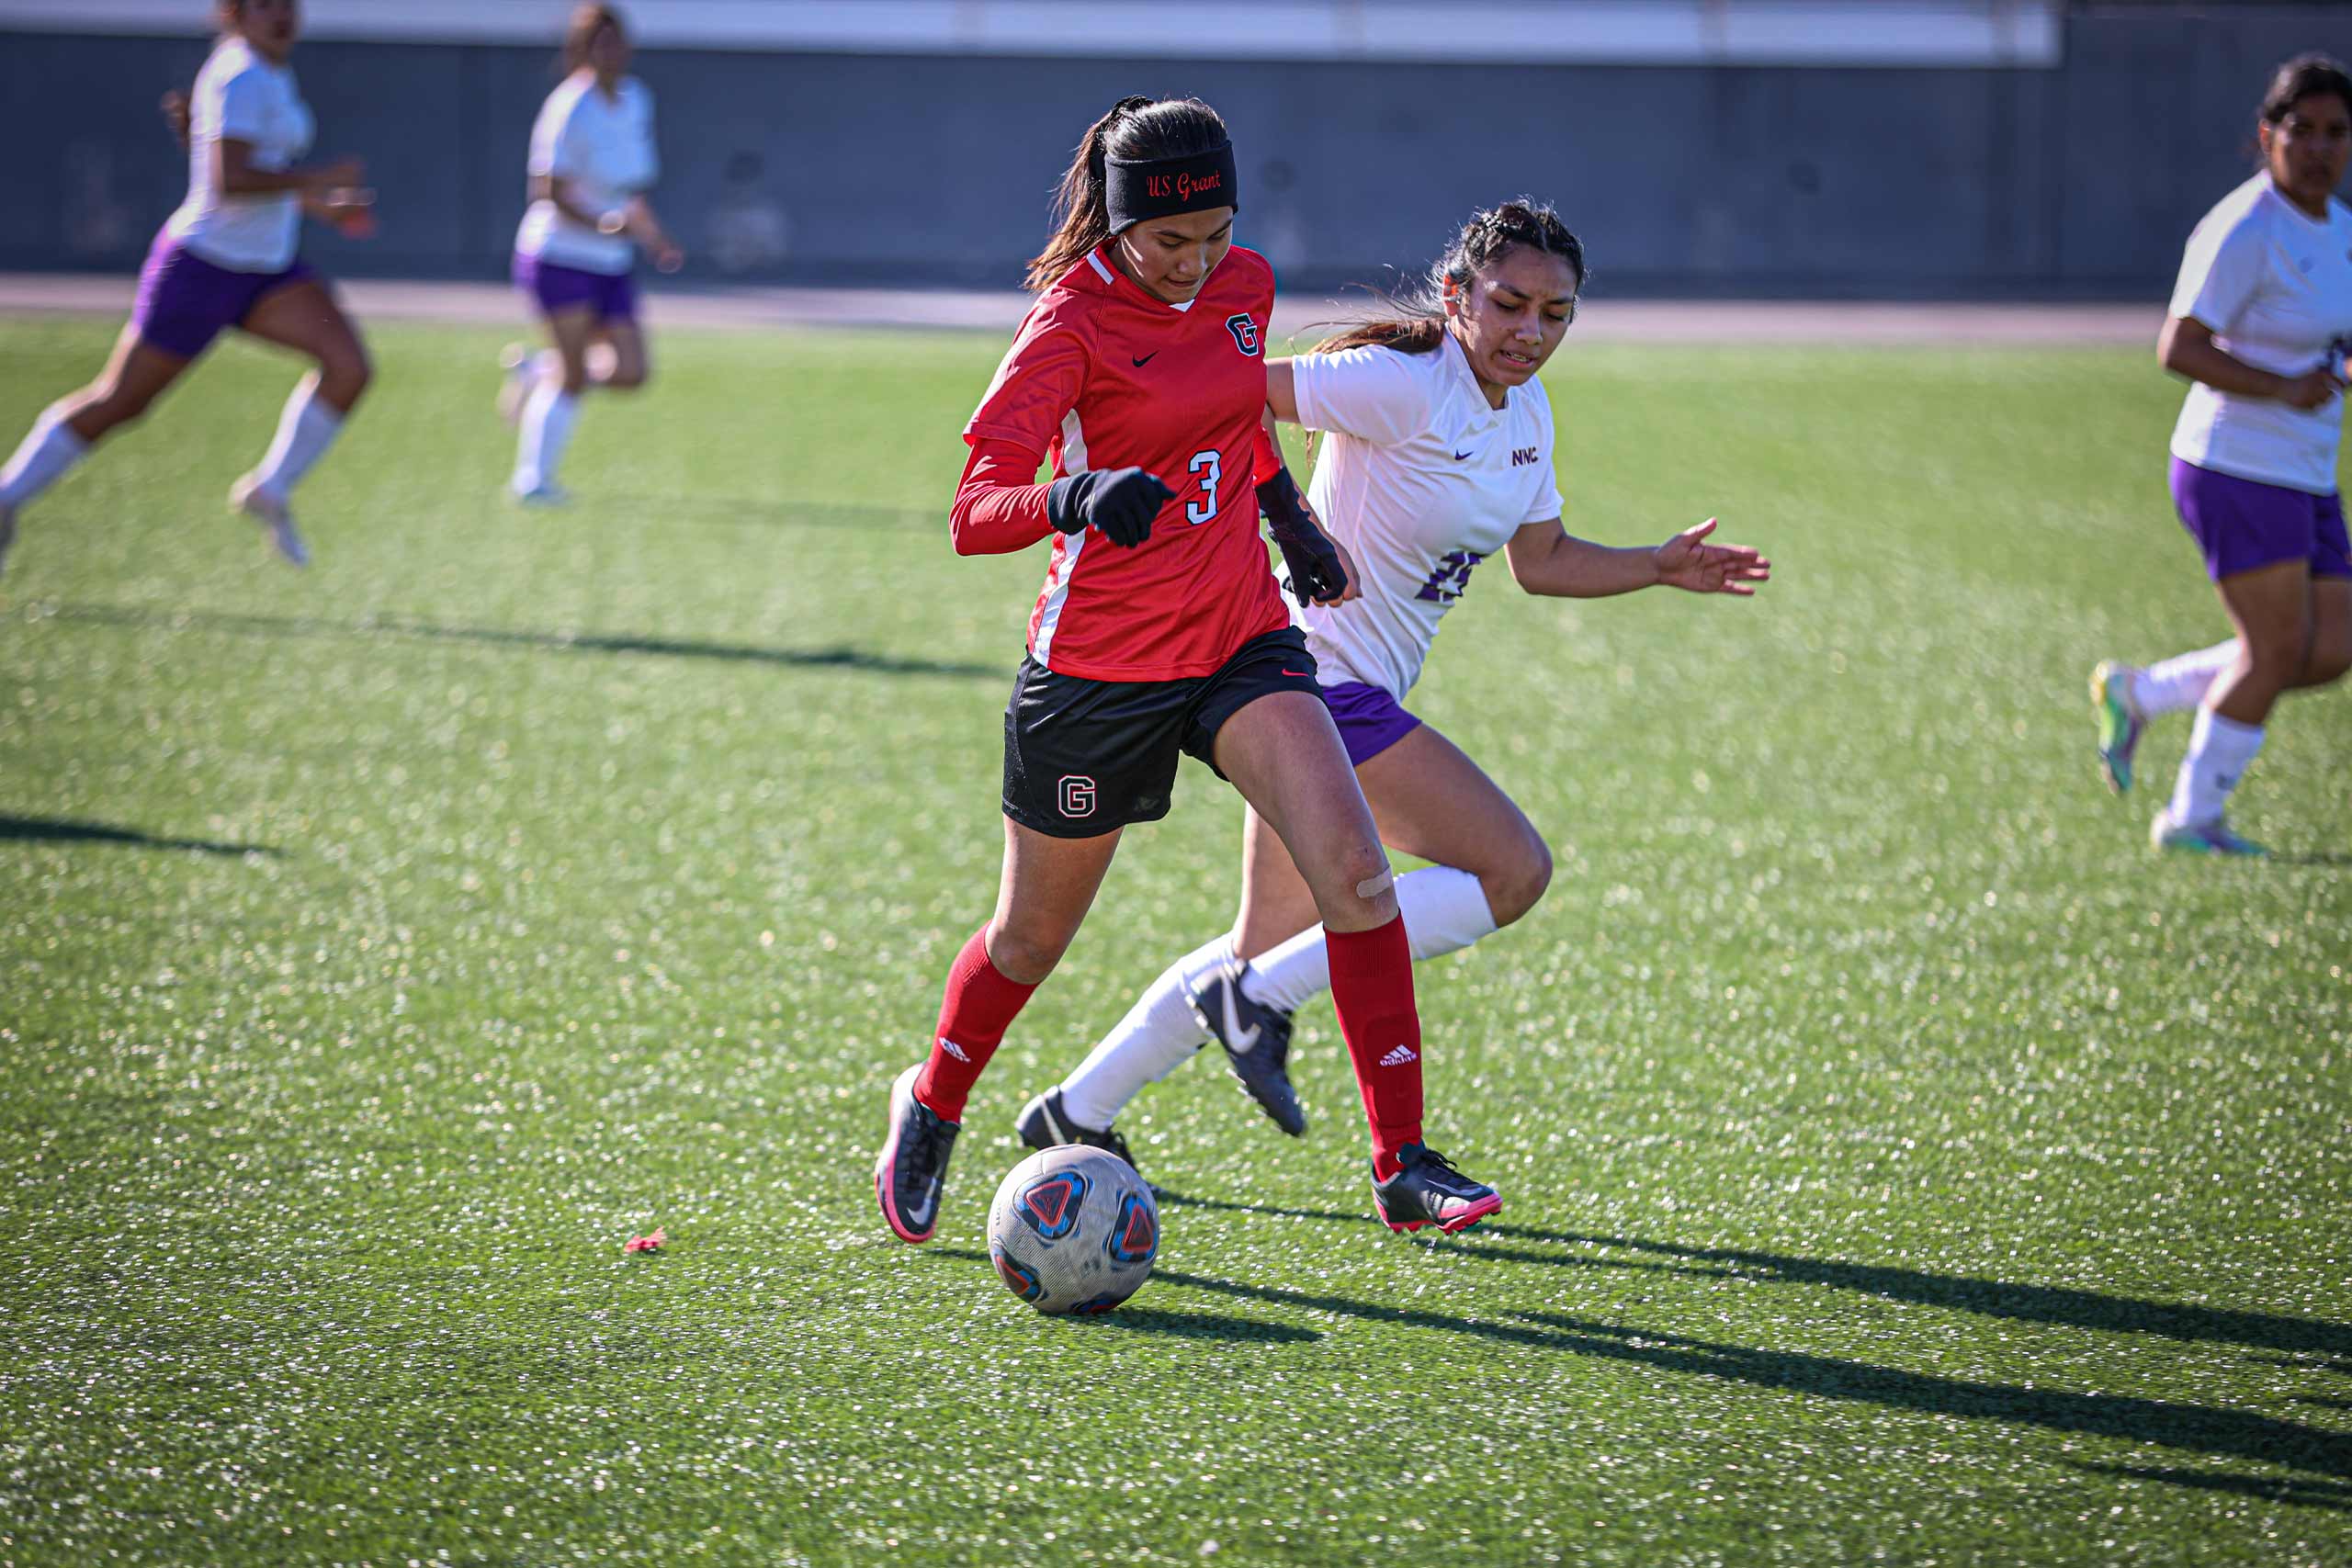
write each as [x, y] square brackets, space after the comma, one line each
[2181, 681]
[1444, 909]
[2220, 752]
[546, 425]
[1158, 1033]
[49, 448]
[305, 431]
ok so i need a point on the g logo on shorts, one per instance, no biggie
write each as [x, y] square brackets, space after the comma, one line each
[1077, 795]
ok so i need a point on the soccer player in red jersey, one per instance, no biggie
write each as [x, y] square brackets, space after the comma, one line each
[1141, 375]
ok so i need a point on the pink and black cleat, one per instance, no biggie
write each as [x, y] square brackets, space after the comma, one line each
[913, 1167]
[1428, 1190]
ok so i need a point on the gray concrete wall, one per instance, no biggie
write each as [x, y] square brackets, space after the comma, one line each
[2080, 181]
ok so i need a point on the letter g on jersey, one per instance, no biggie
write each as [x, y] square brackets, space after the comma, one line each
[1245, 332]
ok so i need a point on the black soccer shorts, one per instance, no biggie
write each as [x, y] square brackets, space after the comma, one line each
[1082, 758]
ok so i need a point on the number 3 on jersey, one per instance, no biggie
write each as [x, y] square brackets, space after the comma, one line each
[1210, 465]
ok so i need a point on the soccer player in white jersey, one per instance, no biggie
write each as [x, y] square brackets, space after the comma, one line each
[593, 159]
[229, 257]
[1436, 454]
[2260, 323]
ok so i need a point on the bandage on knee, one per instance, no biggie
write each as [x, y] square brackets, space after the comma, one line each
[1374, 887]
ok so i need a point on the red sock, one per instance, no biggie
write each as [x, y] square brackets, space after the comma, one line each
[1372, 987]
[979, 1006]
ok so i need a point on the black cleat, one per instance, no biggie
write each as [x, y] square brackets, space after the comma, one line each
[1428, 1190]
[1044, 1124]
[1256, 1040]
[913, 1167]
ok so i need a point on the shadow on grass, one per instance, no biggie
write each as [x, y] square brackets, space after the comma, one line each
[165, 618]
[1177, 1324]
[2193, 1428]
[1993, 1298]
[1206, 1326]
[2332, 1495]
[64, 831]
[2318, 857]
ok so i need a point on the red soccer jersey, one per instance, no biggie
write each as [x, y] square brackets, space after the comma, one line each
[1104, 376]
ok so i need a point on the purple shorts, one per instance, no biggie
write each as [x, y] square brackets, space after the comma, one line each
[1370, 720]
[184, 302]
[610, 295]
[2243, 524]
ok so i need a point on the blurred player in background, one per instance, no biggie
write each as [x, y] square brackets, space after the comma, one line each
[2261, 321]
[229, 257]
[1437, 453]
[593, 159]
[1139, 374]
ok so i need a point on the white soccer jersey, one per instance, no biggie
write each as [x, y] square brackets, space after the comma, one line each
[240, 96]
[604, 149]
[1421, 480]
[2275, 284]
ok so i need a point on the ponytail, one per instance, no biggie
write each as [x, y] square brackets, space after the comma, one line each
[1135, 128]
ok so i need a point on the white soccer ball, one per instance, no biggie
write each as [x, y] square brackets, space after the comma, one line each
[1073, 1230]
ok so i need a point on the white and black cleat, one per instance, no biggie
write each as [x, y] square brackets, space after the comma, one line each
[1428, 1190]
[1044, 1124]
[1256, 1040]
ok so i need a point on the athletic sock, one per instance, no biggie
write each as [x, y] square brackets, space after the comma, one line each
[305, 431]
[1444, 909]
[2220, 752]
[1159, 1032]
[547, 426]
[49, 448]
[2181, 681]
[979, 1007]
[1372, 988]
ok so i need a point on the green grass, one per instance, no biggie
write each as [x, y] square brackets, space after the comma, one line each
[1903, 1164]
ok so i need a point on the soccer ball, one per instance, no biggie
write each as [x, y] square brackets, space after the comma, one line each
[1073, 1230]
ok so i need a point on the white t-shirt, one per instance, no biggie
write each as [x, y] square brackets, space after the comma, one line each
[240, 96]
[1421, 480]
[604, 148]
[2275, 284]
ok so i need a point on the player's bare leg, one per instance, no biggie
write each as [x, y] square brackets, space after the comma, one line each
[136, 374]
[1284, 755]
[1045, 889]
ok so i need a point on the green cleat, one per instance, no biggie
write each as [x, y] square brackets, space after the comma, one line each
[2212, 838]
[2120, 723]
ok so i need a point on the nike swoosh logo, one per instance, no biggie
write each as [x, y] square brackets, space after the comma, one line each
[1461, 456]
[1236, 1037]
[1147, 359]
[1298, 672]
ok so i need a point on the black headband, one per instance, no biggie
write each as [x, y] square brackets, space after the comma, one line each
[1137, 188]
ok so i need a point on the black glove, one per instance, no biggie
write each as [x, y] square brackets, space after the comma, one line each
[1313, 559]
[1120, 501]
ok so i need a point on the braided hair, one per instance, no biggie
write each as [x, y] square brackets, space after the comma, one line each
[1135, 128]
[1412, 320]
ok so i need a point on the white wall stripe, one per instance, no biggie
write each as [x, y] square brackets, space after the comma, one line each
[1937, 33]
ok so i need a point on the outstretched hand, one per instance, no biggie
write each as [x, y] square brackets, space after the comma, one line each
[1685, 561]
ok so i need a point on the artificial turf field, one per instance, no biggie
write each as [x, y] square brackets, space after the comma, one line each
[1901, 1162]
